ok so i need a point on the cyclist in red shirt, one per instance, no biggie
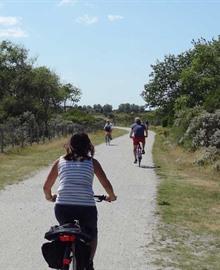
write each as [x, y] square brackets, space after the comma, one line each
[138, 133]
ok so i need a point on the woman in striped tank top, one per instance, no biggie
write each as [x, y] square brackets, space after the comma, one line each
[74, 199]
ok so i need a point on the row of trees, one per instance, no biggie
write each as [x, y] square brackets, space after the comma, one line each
[107, 108]
[192, 76]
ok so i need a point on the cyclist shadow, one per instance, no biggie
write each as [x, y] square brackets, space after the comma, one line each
[112, 144]
[149, 167]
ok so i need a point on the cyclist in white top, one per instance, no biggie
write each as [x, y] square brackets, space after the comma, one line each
[108, 129]
[75, 200]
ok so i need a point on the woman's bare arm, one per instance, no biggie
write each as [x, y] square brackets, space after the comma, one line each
[51, 178]
[104, 180]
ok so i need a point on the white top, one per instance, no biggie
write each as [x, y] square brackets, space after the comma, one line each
[75, 182]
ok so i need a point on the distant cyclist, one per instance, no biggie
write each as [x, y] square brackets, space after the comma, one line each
[138, 133]
[108, 129]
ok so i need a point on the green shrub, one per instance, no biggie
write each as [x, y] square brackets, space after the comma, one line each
[208, 155]
[204, 130]
[182, 121]
[77, 116]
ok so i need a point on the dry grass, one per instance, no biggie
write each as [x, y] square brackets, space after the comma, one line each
[19, 163]
[189, 206]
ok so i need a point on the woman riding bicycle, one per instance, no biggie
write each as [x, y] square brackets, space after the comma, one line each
[74, 199]
[108, 129]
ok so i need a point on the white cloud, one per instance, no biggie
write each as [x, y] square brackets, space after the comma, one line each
[86, 19]
[113, 18]
[14, 29]
[67, 2]
[12, 32]
[8, 21]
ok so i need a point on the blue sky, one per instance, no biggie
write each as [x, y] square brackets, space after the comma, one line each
[106, 47]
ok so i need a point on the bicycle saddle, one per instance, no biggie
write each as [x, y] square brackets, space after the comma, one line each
[67, 229]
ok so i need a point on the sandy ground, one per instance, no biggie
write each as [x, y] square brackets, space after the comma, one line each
[125, 226]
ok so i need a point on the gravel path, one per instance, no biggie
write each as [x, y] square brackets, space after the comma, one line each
[125, 226]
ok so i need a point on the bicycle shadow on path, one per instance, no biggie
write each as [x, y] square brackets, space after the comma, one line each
[149, 167]
[112, 144]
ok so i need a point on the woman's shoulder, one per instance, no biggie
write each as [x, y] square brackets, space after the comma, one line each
[95, 163]
[61, 159]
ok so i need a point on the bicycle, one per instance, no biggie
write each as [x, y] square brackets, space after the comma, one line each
[108, 138]
[69, 245]
[139, 154]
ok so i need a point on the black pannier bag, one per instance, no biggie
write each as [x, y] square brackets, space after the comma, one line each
[53, 253]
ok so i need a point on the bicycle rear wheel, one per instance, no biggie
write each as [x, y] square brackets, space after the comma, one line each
[139, 154]
[67, 258]
[139, 161]
[107, 139]
[82, 254]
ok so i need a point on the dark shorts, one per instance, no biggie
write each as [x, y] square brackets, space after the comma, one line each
[86, 215]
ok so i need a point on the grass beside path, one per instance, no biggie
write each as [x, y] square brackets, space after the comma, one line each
[20, 163]
[189, 207]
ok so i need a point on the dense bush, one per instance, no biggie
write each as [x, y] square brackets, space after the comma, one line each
[208, 155]
[182, 121]
[204, 130]
[77, 116]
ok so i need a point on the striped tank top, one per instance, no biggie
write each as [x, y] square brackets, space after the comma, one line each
[75, 182]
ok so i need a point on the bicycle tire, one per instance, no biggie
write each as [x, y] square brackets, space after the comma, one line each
[67, 256]
[107, 139]
[83, 252]
[74, 262]
[139, 154]
[139, 162]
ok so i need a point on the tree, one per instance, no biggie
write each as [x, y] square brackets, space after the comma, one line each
[201, 80]
[47, 92]
[15, 78]
[71, 95]
[128, 108]
[98, 108]
[165, 84]
[194, 73]
[107, 108]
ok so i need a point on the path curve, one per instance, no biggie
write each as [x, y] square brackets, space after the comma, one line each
[125, 226]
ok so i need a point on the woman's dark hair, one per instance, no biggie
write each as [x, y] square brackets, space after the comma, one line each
[79, 147]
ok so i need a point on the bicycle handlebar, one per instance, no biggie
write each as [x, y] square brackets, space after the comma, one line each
[100, 198]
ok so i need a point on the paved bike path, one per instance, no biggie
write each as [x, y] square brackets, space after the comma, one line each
[125, 226]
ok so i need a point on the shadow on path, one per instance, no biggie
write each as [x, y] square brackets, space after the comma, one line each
[112, 144]
[149, 167]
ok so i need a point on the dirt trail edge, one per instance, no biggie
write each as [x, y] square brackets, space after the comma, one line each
[125, 226]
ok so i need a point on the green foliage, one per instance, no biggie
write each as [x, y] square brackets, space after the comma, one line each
[98, 108]
[184, 115]
[128, 108]
[202, 77]
[212, 101]
[190, 79]
[208, 155]
[27, 88]
[181, 103]
[204, 130]
[107, 109]
[78, 116]
[70, 93]
[164, 85]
